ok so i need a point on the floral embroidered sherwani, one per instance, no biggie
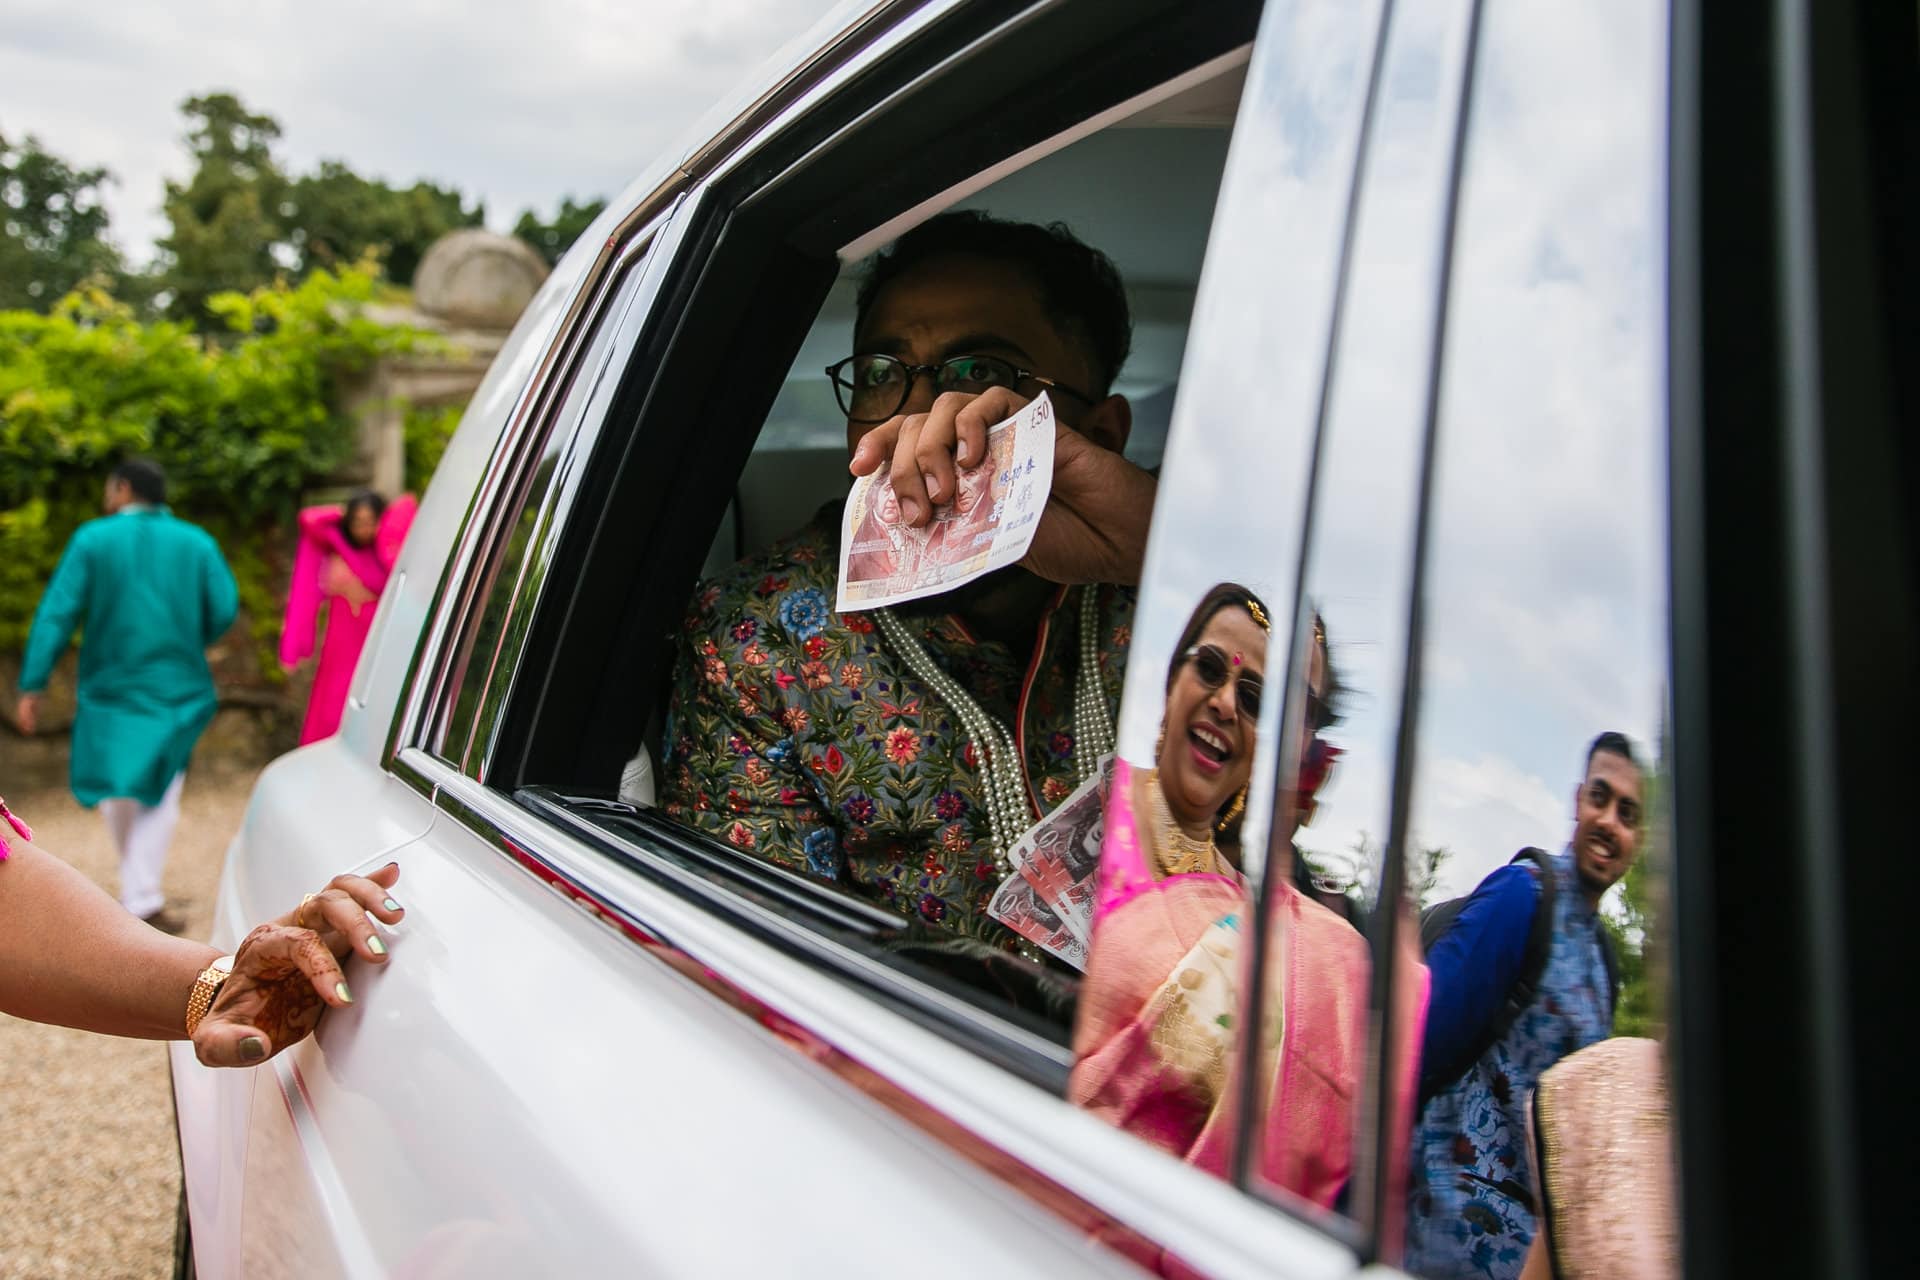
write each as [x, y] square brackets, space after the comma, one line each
[796, 734]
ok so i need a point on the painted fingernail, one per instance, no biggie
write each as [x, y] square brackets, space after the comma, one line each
[253, 1048]
[340, 989]
[391, 905]
[376, 946]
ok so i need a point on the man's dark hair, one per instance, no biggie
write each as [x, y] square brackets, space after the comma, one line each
[144, 477]
[1615, 744]
[1079, 287]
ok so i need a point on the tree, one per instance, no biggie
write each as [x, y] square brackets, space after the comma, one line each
[52, 227]
[552, 239]
[1632, 913]
[243, 221]
[226, 221]
[336, 217]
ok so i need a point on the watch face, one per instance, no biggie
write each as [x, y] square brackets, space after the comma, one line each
[223, 963]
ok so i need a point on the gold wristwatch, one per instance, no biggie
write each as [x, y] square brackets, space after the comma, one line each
[205, 988]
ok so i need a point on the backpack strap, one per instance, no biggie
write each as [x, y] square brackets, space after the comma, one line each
[1533, 962]
[1437, 919]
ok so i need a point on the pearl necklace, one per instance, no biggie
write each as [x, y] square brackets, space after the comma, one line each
[1002, 774]
[1177, 852]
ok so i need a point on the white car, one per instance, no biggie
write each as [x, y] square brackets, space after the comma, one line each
[1539, 349]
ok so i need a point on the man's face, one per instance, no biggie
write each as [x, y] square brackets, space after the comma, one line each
[1606, 821]
[965, 305]
[118, 494]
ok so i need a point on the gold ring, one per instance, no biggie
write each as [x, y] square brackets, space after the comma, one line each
[300, 916]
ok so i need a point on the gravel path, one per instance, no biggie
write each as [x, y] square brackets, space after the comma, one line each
[89, 1166]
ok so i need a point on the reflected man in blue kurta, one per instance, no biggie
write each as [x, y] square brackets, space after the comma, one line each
[149, 593]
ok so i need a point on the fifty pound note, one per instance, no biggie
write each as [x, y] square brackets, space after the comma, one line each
[1017, 906]
[989, 524]
[1060, 855]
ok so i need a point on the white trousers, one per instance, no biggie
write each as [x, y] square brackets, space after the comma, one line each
[142, 833]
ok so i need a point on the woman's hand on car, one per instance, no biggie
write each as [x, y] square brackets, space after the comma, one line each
[1094, 527]
[287, 971]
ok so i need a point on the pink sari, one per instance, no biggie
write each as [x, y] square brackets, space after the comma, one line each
[1154, 1045]
[349, 579]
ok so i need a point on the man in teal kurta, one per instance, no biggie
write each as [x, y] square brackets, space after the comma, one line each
[149, 593]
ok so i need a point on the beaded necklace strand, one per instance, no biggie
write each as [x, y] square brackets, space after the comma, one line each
[1002, 774]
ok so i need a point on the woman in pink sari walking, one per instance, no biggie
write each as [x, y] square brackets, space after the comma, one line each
[345, 555]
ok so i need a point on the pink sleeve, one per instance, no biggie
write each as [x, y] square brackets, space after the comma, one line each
[394, 523]
[20, 829]
[319, 530]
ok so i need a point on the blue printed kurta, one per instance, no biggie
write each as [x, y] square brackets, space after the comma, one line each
[1470, 1211]
[150, 593]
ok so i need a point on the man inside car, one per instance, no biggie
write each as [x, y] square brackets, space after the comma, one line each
[858, 747]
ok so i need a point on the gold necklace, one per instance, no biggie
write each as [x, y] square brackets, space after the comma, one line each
[1177, 852]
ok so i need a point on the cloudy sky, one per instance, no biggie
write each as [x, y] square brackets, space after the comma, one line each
[517, 104]
[1546, 585]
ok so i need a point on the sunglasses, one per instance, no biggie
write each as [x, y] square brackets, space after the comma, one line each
[1212, 669]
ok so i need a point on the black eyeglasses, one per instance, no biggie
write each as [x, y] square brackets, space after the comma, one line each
[875, 388]
[1211, 668]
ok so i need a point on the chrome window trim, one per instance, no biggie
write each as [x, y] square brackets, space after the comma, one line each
[630, 303]
[431, 679]
[1206, 1222]
[716, 163]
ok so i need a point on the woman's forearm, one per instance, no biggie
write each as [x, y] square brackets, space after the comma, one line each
[70, 955]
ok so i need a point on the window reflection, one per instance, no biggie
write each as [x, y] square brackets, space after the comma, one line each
[1159, 1046]
[1543, 657]
[1358, 580]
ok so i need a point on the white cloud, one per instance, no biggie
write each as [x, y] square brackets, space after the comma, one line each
[1546, 586]
[514, 104]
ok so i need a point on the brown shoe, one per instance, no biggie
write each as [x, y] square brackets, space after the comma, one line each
[167, 922]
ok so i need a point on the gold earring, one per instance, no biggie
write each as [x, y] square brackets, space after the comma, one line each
[1233, 811]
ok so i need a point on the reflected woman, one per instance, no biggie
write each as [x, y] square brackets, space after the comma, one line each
[1154, 1046]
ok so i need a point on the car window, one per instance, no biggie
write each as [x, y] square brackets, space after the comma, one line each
[1541, 683]
[508, 582]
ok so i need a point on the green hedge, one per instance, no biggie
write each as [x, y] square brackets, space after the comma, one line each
[243, 422]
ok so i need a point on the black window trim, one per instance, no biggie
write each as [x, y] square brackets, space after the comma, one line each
[441, 653]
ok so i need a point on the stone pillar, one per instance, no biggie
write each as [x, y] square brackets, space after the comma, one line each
[470, 288]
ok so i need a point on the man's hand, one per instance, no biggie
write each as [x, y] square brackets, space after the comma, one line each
[26, 713]
[287, 972]
[1094, 527]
